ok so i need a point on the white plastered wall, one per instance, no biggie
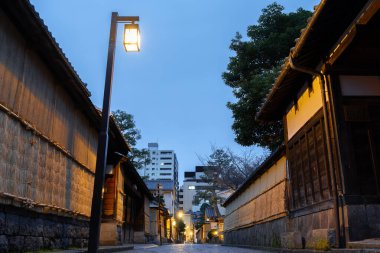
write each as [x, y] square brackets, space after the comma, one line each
[308, 104]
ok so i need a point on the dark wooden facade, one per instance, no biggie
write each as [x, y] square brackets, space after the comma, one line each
[333, 155]
[126, 199]
[308, 165]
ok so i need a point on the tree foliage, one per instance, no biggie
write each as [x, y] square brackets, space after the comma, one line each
[225, 170]
[126, 123]
[181, 226]
[199, 219]
[252, 71]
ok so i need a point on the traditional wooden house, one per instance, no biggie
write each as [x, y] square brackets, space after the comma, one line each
[48, 143]
[161, 213]
[328, 97]
[212, 229]
[160, 224]
[126, 202]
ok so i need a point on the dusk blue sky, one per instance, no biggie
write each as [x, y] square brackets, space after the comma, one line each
[173, 87]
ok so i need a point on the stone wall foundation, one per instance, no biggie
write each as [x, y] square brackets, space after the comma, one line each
[25, 230]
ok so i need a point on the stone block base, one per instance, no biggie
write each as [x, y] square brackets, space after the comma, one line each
[321, 239]
[22, 229]
[291, 240]
[109, 234]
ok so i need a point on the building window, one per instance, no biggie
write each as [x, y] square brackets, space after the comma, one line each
[308, 165]
[165, 168]
[191, 187]
[165, 152]
[166, 158]
[165, 174]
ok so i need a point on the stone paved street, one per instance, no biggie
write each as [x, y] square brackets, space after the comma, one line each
[189, 248]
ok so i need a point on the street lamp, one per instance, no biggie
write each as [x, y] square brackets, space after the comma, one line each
[131, 38]
[159, 187]
[131, 43]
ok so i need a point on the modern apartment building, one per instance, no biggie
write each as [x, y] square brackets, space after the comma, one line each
[163, 167]
[193, 181]
[163, 164]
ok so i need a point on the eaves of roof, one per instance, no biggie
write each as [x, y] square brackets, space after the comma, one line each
[329, 21]
[134, 176]
[37, 36]
[266, 165]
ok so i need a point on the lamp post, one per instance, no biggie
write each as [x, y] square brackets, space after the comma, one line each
[159, 187]
[131, 44]
[194, 234]
[179, 216]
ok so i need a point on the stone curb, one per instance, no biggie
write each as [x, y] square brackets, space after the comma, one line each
[269, 249]
[104, 249]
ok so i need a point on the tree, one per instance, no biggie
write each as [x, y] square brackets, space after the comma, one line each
[225, 170]
[181, 226]
[199, 218]
[126, 123]
[252, 71]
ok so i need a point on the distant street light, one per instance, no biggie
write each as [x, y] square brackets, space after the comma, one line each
[159, 187]
[131, 44]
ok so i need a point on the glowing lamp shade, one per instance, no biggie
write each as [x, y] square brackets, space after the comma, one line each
[131, 38]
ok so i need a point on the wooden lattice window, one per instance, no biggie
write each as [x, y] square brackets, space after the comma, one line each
[308, 165]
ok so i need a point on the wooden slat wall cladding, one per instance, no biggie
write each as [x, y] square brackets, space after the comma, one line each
[263, 200]
[30, 90]
[109, 196]
[120, 209]
[147, 215]
[308, 166]
[55, 166]
[32, 168]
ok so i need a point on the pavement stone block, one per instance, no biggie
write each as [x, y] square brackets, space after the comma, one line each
[373, 212]
[15, 243]
[291, 240]
[32, 243]
[2, 223]
[11, 224]
[80, 243]
[26, 226]
[38, 227]
[3, 244]
[320, 239]
[66, 242]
